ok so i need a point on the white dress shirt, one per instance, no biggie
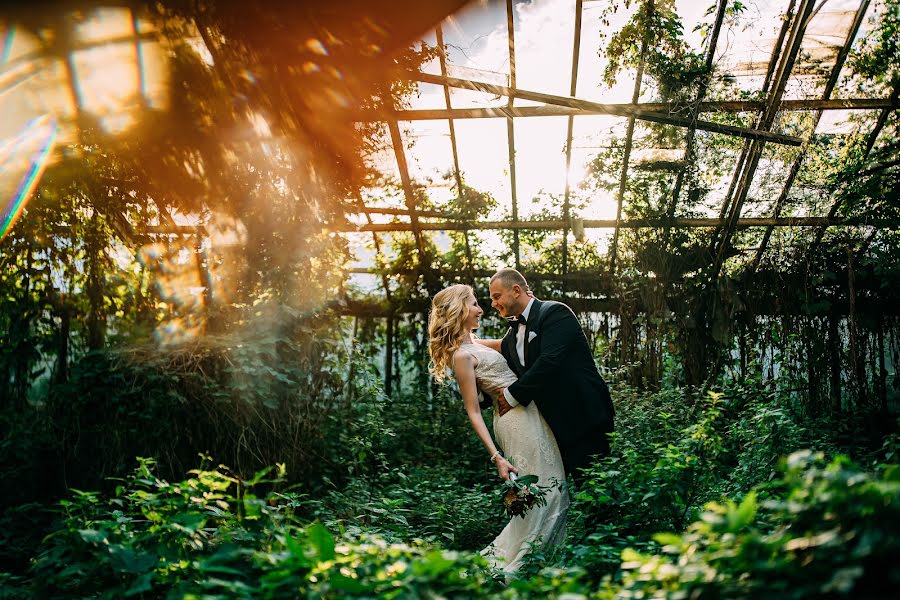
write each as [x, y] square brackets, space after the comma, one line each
[520, 349]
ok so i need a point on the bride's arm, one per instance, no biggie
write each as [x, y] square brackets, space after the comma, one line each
[464, 369]
[492, 344]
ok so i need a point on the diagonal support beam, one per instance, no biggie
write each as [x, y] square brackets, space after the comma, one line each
[430, 280]
[608, 109]
[870, 144]
[728, 106]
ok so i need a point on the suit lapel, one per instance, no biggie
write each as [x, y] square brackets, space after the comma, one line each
[509, 343]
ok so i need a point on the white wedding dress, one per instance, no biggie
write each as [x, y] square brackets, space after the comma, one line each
[530, 446]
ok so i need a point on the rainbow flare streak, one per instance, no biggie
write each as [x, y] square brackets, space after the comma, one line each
[48, 129]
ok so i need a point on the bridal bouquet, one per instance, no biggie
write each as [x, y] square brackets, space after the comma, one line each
[521, 494]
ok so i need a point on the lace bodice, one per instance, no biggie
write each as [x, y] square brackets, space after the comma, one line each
[492, 373]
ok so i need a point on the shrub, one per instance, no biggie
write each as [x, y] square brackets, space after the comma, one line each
[660, 471]
[214, 535]
[251, 399]
[825, 529]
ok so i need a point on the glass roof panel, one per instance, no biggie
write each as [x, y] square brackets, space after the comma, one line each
[716, 167]
[846, 121]
[362, 250]
[540, 164]
[493, 248]
[745, 48]
[460, 98]
[429, 96]
[16, 45]
[848, 84]
[768, 181]
[544, 36]
[591, 64]
[476, 39]
[590, 136]
[825, 35]
[155, 75]
[484, 159]
[103, 24]
[429, 152]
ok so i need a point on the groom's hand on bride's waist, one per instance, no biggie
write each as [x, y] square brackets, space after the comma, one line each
[503, 406]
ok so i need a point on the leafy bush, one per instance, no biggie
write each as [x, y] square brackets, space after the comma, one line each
[824, 530]
[216, 536]
[255, 398]
[428, 503]
[661, 469]
[820, 529]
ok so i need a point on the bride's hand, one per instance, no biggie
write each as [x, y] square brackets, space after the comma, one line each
[504, 468]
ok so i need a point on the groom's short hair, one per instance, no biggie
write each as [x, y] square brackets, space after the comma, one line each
[510, 277]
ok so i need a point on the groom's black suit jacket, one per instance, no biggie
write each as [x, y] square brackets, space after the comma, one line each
[559, 375]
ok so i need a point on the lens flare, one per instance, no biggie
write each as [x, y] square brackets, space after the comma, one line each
[38, 138]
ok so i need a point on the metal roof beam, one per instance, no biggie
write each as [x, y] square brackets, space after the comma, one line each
[729, 106]
[608, 109]
[677, 222]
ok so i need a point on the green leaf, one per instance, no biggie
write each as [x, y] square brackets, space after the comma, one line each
[130, 561]
[667, 539]
[321, 540]
[432, 564]
[93, 536]
[345, 584]
[142, 584]
[526, 480]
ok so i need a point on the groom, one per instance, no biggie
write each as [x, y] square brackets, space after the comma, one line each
[549, 352]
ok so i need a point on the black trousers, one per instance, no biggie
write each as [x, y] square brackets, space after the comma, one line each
[582, 452]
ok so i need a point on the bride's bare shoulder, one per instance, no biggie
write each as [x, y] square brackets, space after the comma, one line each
[464, 357]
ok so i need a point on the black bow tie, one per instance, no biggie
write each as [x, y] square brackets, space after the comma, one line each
[518, 320]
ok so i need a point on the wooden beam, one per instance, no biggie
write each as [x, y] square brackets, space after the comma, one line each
[573, 87]
[678, 222]
[608, 109]
[372, 210]
[510, 129]
[424, 259]
[46, 52]
[373, 308]
[729, 106]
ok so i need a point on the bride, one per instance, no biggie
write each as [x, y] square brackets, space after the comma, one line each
[522, 433]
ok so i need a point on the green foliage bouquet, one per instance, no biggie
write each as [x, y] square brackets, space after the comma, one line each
[520, 494]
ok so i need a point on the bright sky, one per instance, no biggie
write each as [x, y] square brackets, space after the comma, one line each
[544, 34]
[544, 30]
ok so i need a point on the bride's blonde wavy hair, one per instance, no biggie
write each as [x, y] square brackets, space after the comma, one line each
[447, 326]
